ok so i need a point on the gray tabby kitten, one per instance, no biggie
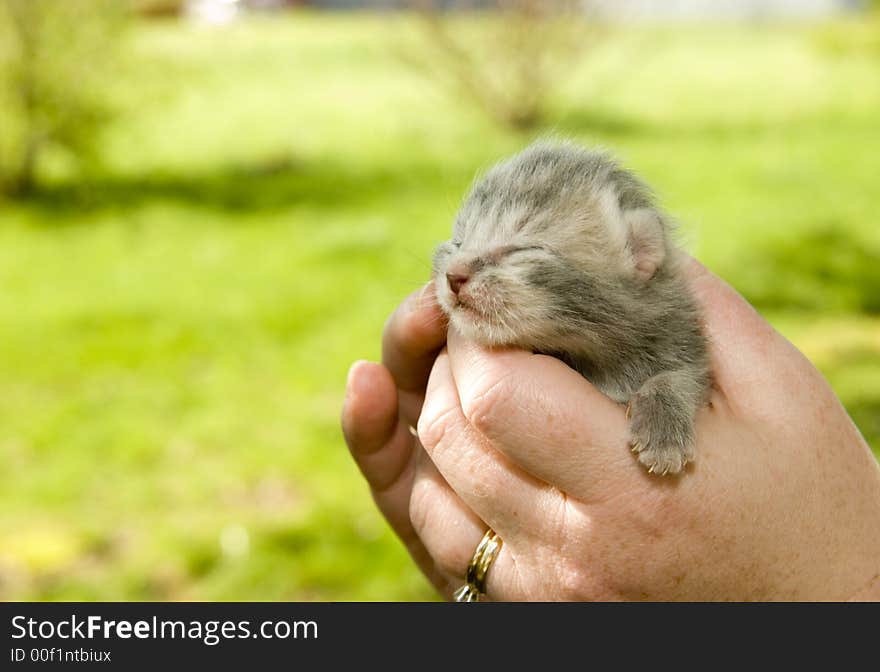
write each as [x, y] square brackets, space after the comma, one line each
[560, 251]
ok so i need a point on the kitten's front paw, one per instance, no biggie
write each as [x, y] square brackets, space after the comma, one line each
[661, 433]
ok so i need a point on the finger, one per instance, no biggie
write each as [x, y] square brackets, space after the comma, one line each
[501, 494]
[739, 334]
[394, 503]
[746, 352]
[413, 335]
[369, 411]
[544, 416]
[450, 532]
[384, 450]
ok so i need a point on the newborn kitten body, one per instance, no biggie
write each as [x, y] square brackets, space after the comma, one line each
[560, 251]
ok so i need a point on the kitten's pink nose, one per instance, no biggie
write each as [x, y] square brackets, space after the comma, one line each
[457, 276]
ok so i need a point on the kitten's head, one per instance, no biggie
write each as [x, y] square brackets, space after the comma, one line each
[550, 247]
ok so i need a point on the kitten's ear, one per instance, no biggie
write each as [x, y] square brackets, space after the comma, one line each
[645, 242]
[638, 231]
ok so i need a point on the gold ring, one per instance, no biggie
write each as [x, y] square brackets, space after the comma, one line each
[475, 577]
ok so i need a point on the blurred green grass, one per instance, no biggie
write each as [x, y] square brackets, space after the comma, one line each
[174, 336]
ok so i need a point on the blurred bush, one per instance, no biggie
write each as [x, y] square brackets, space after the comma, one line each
[56, 58]
[158, 8]
[506, 62]
[829, 270]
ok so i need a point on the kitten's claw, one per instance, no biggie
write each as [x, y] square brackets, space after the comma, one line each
[660, 434]
[628, 411]
[665, 460]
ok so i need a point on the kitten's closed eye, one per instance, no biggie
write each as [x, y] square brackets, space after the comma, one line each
[499, 254]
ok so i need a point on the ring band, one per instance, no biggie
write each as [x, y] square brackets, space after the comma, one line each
[475, 577]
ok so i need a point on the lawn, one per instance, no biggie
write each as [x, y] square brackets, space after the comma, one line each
[174, 336]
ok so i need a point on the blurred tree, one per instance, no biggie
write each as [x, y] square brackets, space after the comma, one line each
[56, 60]
[505, 61]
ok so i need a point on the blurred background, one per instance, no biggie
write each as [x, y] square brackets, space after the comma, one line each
[208, 209]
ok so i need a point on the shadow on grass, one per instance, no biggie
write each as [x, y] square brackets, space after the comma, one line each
[824, 270]
[274, 184]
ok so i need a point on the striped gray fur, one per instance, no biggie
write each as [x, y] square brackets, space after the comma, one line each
[566, 253]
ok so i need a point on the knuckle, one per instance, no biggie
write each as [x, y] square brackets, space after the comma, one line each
[435, 427]
[484, 404]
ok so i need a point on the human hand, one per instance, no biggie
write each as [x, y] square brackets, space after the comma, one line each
[382, 406]
[782, 503]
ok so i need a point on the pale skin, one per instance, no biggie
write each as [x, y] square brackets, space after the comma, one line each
[782, 502]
